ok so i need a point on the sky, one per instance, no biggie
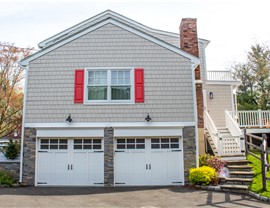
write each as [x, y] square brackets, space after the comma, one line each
[231, 26]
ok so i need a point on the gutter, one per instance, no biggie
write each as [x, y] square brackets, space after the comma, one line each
[23, 123]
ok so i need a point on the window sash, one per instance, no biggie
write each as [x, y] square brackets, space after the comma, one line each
[117, 80]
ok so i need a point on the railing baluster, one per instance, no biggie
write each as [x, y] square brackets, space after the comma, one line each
[220, 75]
[257, 118]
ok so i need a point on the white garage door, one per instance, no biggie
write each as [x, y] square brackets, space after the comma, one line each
[78, 162]
[156, 161]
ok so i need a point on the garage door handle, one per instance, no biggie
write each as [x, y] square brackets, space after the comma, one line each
[149, 166]
[146, 166]
[68, 167]
[71, 167]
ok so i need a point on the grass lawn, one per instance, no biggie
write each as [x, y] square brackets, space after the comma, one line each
[256, 185]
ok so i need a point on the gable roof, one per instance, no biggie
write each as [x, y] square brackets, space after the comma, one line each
[73, 33]
[102, 16]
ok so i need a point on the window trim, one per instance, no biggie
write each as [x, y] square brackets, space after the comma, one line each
[109, 100]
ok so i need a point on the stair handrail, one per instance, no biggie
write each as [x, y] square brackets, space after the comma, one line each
[232, 125]
[212, 129]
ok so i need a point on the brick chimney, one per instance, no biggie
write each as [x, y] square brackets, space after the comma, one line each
[189, 43]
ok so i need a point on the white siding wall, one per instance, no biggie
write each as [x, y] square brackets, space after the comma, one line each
[168, 80]
[222, 101]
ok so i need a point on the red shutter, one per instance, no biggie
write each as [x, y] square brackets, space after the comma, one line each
[78, 86]
[139, 85]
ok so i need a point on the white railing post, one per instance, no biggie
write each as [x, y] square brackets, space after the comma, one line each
[260, 117]
[242, 144]
[220, 144]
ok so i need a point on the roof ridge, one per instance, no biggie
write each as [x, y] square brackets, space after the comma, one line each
[102, 14]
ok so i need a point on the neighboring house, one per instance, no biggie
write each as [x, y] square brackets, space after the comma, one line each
[90, 93]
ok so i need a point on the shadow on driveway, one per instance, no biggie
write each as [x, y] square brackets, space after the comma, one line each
[176, 196]
[56, 191]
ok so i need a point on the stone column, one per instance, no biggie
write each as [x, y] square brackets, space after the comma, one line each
[108, 157]
[189, 147]
[29, 156]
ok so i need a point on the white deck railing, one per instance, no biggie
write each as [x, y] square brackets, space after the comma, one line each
[212, 130]
[227, 143]
[220, 76]
[247, 119]
[232, 125]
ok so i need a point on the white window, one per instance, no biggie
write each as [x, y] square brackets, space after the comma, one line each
[51, 144]
[109, 85]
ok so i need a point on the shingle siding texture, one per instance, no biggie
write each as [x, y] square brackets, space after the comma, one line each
[222, 101]
[168, 80]
[172, 40]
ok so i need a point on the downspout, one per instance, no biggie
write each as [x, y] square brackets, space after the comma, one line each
[23, 121]
[195, 114]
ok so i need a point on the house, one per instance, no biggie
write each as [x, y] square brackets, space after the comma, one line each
[112, 102]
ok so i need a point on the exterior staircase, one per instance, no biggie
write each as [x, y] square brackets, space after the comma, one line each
[240, 176]
[229, 148]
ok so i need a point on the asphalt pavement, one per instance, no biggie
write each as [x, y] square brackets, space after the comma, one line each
[141, 197]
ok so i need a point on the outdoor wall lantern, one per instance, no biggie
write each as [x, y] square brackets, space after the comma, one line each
[148, 118]
[69, 119]
[211, 95]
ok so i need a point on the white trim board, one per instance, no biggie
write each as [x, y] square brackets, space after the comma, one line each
[103, 125]
[112, 13]
[195, 60]
[138, 132]
[236, 83]
[70, 133]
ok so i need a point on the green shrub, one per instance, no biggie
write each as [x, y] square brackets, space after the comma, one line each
[203, 159]
[212, 161]
[10, 151]
[202, 175]
[6, 178]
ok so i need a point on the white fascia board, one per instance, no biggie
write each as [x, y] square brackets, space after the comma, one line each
[234, 83]
[103, 125]
[112, 13]
[43, 43]
[195, 60]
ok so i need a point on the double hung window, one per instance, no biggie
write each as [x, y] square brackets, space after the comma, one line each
[109, 85]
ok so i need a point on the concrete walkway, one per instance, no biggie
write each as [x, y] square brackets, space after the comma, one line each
[123, 197]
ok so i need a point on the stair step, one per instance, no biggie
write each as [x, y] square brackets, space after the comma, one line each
[233, 186]
[233, 157]
[237, 162]
[236, 181]
[222, 128]
[239, 167]
[242, 174]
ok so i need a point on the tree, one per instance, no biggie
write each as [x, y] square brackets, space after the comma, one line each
[254, 91]
[11, 151]
[11, 93]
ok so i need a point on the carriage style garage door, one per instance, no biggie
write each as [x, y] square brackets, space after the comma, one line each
[148, 161]
[63, 161]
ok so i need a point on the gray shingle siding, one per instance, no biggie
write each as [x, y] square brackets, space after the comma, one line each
[168, 80]
[169, 39]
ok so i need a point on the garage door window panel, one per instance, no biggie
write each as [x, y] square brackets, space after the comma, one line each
[165, 143]
[87, 144]
[130, 144]
[53, 144]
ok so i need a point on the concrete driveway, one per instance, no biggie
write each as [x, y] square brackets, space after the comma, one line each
[122, 197]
